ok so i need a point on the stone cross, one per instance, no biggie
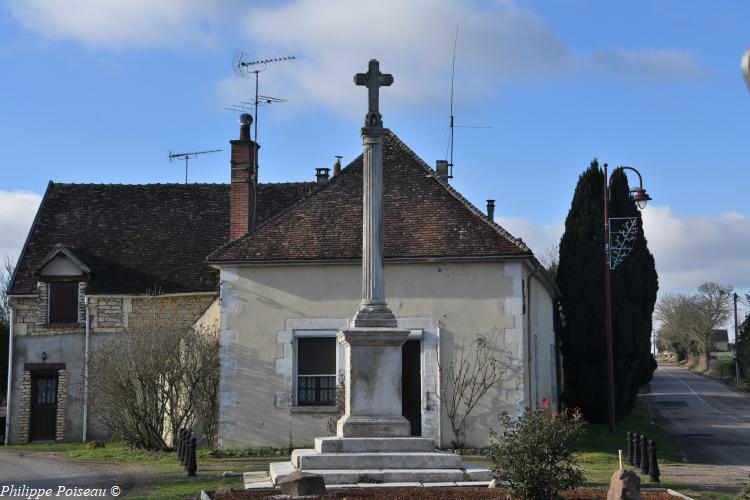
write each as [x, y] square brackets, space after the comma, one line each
[372, 345]
[373, 80]
[373, 311]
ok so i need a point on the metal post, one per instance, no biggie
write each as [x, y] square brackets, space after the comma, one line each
[191, 464]
[644, 454]
[653, 465]
[608, 310]
[737, 364]
[629, 456]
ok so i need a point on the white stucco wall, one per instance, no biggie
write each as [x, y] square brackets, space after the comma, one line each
[260, 307]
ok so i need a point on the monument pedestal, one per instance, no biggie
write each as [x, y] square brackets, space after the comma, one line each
[373, 383]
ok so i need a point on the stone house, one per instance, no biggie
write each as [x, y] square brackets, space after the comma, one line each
[451, 274]
[278, 266]
[97, 257]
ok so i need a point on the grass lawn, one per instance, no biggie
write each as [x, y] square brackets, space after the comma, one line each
[169, 480]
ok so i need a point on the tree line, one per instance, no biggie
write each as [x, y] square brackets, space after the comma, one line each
[687, 321]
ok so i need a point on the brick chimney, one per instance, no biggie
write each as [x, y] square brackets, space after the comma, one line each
[244, 181]
[337, 166]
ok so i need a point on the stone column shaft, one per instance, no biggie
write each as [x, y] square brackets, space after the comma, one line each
[373, 311]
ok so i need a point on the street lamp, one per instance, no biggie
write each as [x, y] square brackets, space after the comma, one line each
[614, 252]
[746, 67]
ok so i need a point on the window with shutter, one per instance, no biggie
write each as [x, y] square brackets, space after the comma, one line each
[63, 302]
[316, 371]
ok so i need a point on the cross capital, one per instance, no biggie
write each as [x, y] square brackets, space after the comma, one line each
[373, 80]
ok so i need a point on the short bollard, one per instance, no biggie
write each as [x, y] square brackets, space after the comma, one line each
[636, 450]
[186, 447]
[180, 443]
[653, 465]
[629, 456]
[191, 466]
[644, 454]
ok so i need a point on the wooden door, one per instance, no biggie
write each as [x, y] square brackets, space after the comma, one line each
[43, 406]
[411, 385]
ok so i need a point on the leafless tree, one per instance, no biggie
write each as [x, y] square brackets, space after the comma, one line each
[155, 378]
[6, 273]
[467, 379]
[673, 312]
[713, 308]
[550, 259]
[687, 322]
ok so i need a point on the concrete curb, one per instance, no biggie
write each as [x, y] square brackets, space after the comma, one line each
[678, 495]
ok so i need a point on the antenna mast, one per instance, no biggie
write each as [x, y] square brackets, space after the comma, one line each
[187, 156]
[453, 76]
[243, 67]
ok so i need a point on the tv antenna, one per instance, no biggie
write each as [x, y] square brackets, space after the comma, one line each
[187, 156]
[244, 68]
[452, 125]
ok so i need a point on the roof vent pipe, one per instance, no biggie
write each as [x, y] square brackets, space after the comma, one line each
[441, 167]
[322, 174]
[491, 209]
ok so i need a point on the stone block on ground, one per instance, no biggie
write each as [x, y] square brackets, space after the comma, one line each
[625, 485]
[300, 483]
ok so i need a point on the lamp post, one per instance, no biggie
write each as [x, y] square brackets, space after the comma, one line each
[640, 198]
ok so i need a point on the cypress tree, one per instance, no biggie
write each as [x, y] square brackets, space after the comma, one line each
[581, 280]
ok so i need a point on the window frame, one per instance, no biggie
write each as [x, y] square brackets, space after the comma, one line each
[296, 376]
[50, 303]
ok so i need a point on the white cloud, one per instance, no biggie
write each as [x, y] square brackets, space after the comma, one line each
[692, 250]
[688, 250]
[498, 41]
[118, 24]
[17, 210]
[541, 238]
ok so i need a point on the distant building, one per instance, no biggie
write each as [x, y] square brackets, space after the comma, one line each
[720, 339]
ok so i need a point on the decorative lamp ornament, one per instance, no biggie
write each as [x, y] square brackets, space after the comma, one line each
[641, 198]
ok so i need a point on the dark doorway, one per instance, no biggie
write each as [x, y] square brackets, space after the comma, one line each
[43, 406]
[411, 385]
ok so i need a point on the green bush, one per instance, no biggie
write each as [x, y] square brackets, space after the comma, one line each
[534, 453]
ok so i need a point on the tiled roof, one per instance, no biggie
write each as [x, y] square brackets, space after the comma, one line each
[424, 217]
[141, 238]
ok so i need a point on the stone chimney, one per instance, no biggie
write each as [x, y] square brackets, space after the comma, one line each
[491, 209]
[337, 166]
[244, 181]
[322, 175]
[441, 167]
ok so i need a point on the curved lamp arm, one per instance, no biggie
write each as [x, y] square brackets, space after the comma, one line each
[639, 194]
[746, 67]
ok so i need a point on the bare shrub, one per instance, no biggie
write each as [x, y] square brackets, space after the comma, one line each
[467, 379]
[340, 402]
[155, 378]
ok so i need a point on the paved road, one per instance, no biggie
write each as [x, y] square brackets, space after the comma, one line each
[39, 470]
[710, 420]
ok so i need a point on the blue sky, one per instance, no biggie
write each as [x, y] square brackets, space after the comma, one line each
[101, 91]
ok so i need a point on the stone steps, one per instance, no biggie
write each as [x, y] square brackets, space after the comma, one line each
[309, 459]
[465, 474]
[373, 445]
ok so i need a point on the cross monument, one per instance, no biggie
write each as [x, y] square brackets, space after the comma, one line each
[373, 343]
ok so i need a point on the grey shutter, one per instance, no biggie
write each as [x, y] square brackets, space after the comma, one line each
[316, 355]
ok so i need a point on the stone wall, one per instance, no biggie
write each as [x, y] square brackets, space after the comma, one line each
[62, 397]
[65, 344]
[24, 404]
